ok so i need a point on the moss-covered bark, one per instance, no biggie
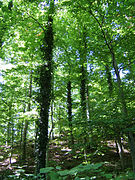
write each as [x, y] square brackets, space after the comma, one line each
[45, 88]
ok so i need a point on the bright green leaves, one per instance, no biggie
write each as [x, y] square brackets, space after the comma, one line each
[83, 33]
[1, 4]
[77, 172]
[46, 170]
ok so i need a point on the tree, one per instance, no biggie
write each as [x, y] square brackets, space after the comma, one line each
[80, 57]
[45, 83]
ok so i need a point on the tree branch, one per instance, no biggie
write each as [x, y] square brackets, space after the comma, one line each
[40, 25]
[104, 35]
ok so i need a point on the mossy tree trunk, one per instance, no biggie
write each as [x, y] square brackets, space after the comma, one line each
[83, 89]
[45, 83]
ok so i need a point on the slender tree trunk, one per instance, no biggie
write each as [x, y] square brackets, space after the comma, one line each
[24, 141]
[118, 142]
[131, 140]
[26, 123]
[8, 133]
[9, 126]
[59, 119]
[51, 133]
[36, 148]
[83, 91]
[83, 94]
[44, 116]
[12, 140]
[45, 83]
[49, 136]
[88, 105]
[120, 91]
[21, 138]
[109, 79]
[121, 151]
[69, 107]
[22, 128]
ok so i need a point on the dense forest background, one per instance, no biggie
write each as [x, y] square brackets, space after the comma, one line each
[67, 89]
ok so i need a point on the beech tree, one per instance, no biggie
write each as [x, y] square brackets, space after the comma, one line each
[67, 69]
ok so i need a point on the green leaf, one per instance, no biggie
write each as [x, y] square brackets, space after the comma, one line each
[58, 167]
[64, 173]
[54, 176]
[108, 176]
[1, 4]
[77, 178]
[46, 170]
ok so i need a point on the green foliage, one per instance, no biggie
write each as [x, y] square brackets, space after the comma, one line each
[78, 172]
[128, 175]
[46, 170]
[85, 32]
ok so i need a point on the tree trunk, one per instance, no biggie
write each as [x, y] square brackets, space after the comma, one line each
[83, 91]
[118, 142]
[120, 151]
[45, 88]
[109, 79]
[50, 136]
[88, 105]
[26, 123]
[120, 91]
[125, 113]
[51, 133]
[131, 142]
[9, 126]
[83, 94]
[69, 107]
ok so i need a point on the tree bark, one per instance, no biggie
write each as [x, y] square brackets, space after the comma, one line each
[109, 79]
[121, 151]
[45, 83]
[69, 107]
[83, 91]
[83, 94]
[26, 123]
[9, 126]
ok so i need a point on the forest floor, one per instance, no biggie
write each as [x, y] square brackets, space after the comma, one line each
[60, 155]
